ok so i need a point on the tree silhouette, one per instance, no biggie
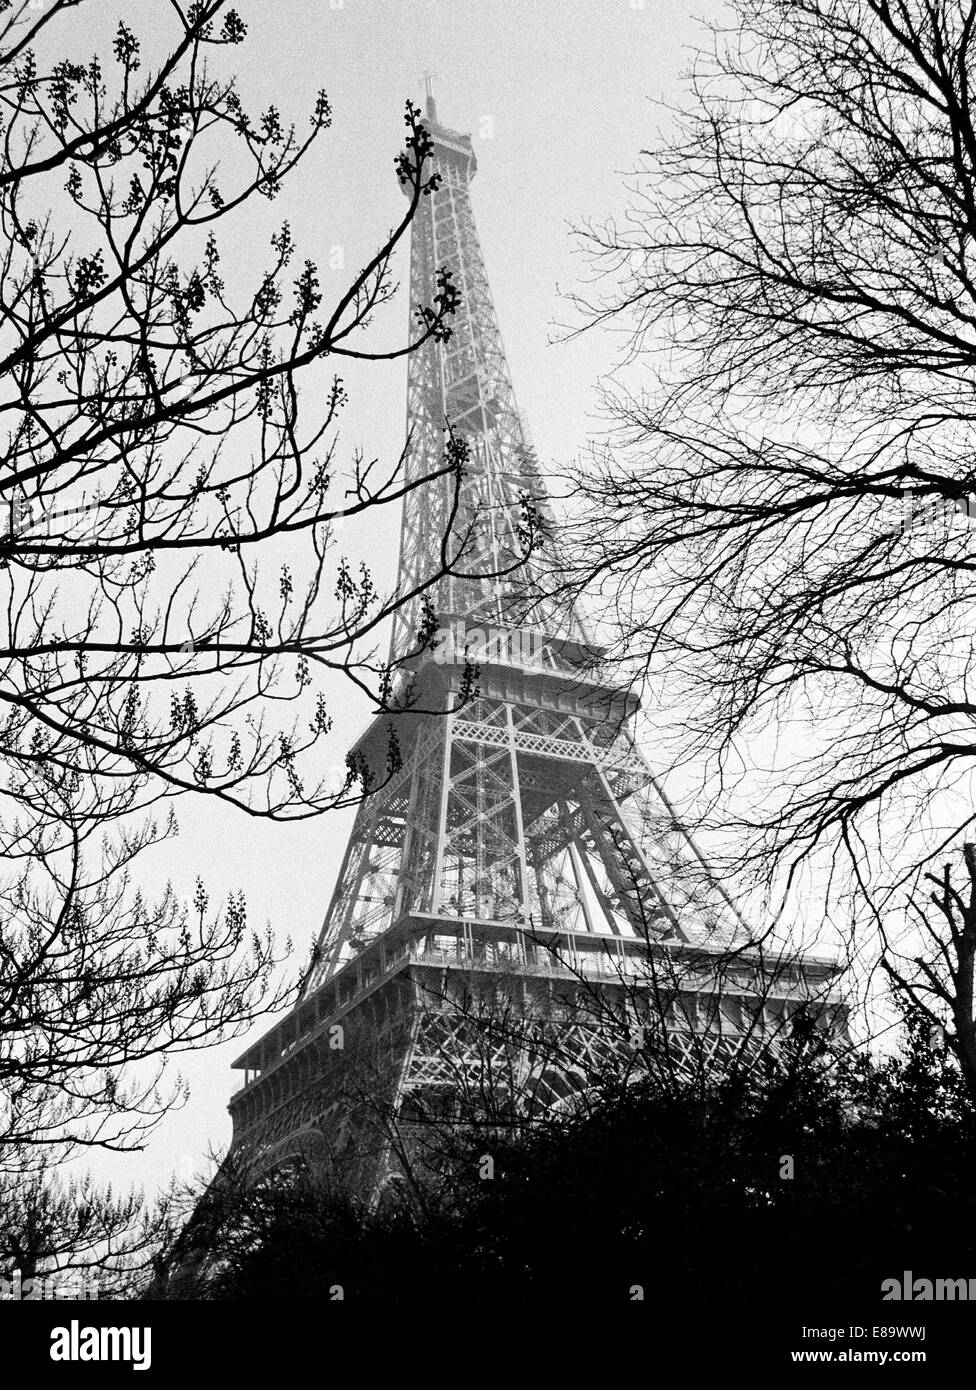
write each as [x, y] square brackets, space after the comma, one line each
[173, 593]
[779, 522]
[933, 973]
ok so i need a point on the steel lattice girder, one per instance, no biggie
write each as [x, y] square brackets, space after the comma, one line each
[494, 819]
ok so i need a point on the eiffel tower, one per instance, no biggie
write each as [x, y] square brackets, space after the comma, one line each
[522, 844]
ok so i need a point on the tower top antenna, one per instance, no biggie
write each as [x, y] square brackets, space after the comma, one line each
[431, 103]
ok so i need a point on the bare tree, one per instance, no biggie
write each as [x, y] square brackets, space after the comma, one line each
[74, 1237]
[777, 525]
[157, 440]
[171, 587]
[937, 974]
[97, 980]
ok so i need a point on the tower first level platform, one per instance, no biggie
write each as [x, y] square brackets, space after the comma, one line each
[522, 866]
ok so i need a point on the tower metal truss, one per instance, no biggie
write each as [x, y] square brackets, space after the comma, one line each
[522, 852]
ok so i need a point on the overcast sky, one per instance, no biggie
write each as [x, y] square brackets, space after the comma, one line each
[559, 96]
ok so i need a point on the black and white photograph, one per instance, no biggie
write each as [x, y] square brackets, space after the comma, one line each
[487, 701]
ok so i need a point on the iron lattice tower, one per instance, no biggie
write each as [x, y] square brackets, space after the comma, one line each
[523, 840]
